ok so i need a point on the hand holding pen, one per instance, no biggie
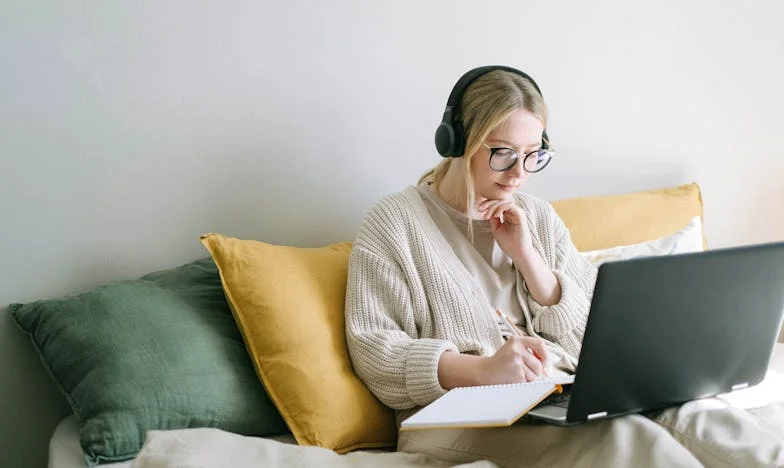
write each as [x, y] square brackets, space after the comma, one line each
[529, 351]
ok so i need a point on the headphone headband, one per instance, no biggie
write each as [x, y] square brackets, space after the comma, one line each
[469, 77]
[450, 135]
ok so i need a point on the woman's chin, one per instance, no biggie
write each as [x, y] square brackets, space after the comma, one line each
[495, 194]
[505, 191]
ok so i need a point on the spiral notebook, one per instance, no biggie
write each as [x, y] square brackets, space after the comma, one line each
[484, 406]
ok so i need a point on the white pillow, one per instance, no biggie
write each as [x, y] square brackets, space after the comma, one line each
[688, 239]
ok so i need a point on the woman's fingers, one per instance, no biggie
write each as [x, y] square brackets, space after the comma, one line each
[508, 214]
[532, 364]
[529, 364]
[512, 214]
[529, 375]
[484, 204]
[488, 206]
[539, 350]
[495, 210]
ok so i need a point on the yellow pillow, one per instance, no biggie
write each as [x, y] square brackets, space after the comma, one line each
[602, 222]
[289, 303]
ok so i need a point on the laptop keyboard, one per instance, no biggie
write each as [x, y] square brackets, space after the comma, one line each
[557, 399]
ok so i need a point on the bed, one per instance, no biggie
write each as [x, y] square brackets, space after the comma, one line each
[65, 452]
[64, 449]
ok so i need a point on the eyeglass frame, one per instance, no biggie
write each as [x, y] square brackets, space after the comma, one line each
[544, 147]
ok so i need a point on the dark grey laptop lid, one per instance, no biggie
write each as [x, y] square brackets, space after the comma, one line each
[664, 330]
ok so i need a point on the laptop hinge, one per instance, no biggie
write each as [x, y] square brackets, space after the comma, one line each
[739, 386]
[597, 415]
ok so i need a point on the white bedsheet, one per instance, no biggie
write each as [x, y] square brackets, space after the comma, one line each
[65, 451]
[228, 450]
[213, 448]
[64, 448]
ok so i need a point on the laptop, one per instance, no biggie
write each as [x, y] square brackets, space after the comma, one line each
[665, 330]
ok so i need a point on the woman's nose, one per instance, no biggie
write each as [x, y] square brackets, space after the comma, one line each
[517, 170]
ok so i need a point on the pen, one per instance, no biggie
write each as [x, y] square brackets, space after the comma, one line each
[519, 333]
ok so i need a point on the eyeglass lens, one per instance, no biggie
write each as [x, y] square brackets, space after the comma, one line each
[503, 159]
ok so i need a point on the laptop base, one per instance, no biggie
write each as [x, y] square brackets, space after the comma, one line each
[551, 414]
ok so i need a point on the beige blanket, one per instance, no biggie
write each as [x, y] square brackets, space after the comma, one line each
[213, 448]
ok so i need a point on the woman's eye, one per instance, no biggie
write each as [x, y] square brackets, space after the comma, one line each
[504, 152]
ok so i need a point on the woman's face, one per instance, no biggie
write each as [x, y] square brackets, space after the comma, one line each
[522, 132]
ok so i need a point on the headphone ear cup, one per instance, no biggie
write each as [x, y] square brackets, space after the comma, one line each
[458, 147]
[445, 139]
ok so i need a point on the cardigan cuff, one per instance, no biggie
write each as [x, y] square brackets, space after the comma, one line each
[422, 369]
[568, 315]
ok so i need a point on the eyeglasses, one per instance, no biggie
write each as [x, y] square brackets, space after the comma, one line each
[503, 159]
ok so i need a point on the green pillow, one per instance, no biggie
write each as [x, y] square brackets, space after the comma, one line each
[159, 352]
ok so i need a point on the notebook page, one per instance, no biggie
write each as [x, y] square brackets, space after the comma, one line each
[565, 379]
[493, 405]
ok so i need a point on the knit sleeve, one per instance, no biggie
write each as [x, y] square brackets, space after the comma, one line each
[564, 322]
[399, 368]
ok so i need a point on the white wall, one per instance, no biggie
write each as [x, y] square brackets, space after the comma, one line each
[129, 128]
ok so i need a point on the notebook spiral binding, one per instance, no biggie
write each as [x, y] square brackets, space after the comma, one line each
[517, 384]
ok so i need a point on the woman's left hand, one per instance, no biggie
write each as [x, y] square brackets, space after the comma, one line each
[509, 226]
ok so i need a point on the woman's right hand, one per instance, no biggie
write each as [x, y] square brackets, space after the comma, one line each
[518, 360]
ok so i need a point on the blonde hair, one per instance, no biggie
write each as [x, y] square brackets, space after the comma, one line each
[486, 103]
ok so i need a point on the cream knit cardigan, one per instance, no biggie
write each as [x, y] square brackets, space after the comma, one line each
[409, 298]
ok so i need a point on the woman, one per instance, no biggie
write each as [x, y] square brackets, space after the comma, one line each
[437, 271]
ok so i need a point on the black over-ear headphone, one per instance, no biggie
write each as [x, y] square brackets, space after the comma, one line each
[450, 134]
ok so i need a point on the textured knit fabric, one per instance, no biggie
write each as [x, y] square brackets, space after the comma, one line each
[491, 268]
[483, 258]
[409, 298]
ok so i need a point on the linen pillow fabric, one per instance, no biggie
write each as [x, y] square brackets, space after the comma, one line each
[159, 352]
[289, 303]
[689, 239]
[602, 222]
